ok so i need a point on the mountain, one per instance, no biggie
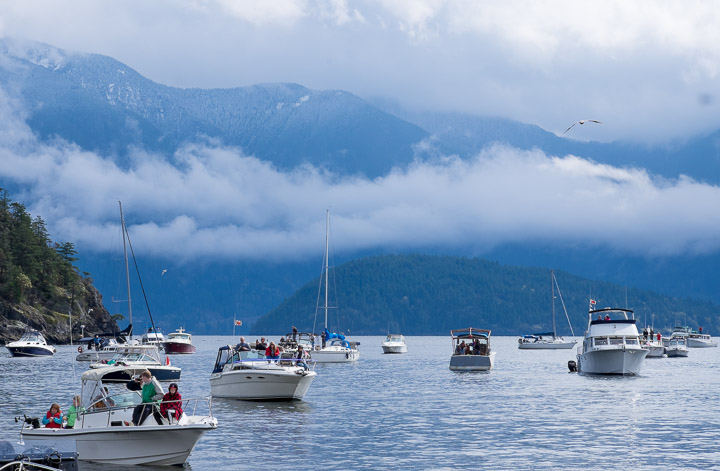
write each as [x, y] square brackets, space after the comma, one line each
[429, 295]
[107, 107]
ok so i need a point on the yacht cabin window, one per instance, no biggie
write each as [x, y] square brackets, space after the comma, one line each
[599, 341]
[631, 341]
[616, 340]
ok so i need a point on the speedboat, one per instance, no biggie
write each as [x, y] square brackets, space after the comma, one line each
[677, 347]
[102, 433]
[394, 343]
[476, 354]
[549, 340]
[179, 342]
[135, 359]
[107, 350]
[31, 344]
[655, 348]
[249, 375]
[335, 349]
[612, 344]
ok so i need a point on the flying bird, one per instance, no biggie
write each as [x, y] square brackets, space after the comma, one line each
[583, 121]
[163, 272]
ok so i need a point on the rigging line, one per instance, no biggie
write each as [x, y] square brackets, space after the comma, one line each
[142, 287]
[563, 305]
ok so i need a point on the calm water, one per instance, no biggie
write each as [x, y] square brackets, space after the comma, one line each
[411, 412]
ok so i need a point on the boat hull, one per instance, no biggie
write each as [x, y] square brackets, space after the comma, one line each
[546, 345]
[331, 355]
[655, 351]
[676, 352]
[394, 348]
[146, 445]
[179, 348]
[701, 343]
[472, 362]
[30, 351]
[624, 362]
[261, 385]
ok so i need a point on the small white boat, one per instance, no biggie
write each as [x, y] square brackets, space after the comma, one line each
[31, 344]
[655, 348]
[394, 343]
[248, 375]
[476, 354]
[101, 433]
[105, 352]
[136, 358]
[549, 340]
[179, 342]
[612, 344]
[677, 347]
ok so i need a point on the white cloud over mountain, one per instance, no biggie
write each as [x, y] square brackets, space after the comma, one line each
[216, 202]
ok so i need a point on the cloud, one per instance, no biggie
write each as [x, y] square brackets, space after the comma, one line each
[215, 202]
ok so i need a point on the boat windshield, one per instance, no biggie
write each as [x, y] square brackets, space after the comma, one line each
[33, 337]
[176, 336]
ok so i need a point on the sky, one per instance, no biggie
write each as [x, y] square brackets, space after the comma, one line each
[647, 69]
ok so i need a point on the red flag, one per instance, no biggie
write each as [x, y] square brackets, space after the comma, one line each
[592, 301]
[167, 360]
[238, 322]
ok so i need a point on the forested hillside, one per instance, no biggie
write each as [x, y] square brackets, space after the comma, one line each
[39, 286]
[429, 295]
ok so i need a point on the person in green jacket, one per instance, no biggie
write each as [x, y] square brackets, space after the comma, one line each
[141, 411]
[72, 413]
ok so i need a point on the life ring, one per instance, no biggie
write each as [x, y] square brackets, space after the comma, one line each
[80, 349]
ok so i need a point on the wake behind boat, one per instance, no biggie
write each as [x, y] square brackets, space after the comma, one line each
[612, 344]
[101, 433]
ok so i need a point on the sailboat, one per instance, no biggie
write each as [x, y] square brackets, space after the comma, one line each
[548, 340]
[335, 348]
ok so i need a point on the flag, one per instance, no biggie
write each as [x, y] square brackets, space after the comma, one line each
[592, 301]
[238, 323]
[167, 360]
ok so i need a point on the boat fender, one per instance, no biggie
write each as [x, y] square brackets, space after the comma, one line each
[347, 356]
[80, 349]
[572, 366]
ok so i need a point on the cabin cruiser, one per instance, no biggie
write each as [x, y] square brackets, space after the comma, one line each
[677, 347]
[248, 375]
[103, 431]
[694, 339]
[471, 350]
[179, 342]
[394, 343]
[612, 344]
[136, 358]
[31, 344]
[152, 336]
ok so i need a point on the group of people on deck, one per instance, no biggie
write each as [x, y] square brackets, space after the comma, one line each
[471, 348]
[650, 334]
[271, 351]
[170, 406]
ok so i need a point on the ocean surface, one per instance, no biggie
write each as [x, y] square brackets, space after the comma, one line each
[410, 411]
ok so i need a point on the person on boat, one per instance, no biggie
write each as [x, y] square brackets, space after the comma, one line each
[659, 336]
[476, 347]
[460, 348]
[102, 399]
[262, 345]
[599, 317]
[171, 401]
[607, 317]
[73, 412]
[242, 346]
[645, 333]
[272, 352]
[652, 333]
[141, 411]
[295, 331]
[323, 336]
[700, 330]
[53, 418]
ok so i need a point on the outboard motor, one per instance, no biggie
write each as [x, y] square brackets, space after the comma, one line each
[572, 366]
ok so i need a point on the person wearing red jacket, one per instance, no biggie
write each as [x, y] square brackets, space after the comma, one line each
[53, 417]
[172, 400]
[272, 352]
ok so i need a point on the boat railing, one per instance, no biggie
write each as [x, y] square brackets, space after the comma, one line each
[307, 363]
[115, 415]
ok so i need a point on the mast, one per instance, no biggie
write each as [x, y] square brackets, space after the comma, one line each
[327, 262]
[552, 288]
[127, 269]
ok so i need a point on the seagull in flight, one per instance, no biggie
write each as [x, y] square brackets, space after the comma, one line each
[583, 121]
[163, 272]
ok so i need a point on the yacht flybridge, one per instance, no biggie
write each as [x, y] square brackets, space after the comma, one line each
[612, 344]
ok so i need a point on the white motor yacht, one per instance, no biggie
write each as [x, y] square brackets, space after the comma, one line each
[694, 339]
[677, 347]
[248, 375]
[471, 350]
[612, 344]
[179, 342]
[153, 336]
[31, 344]
[394, 343]
[102, 433]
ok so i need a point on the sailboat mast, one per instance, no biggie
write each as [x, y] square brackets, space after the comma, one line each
[327, 262]
[552, 287]
[127, 269]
